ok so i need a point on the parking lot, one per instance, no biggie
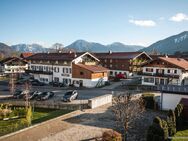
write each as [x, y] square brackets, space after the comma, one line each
[83, 93]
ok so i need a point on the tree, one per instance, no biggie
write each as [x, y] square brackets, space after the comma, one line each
[127, 108]
[171, 121]
[12, 84]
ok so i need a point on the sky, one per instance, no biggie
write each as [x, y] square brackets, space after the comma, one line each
[134, 22]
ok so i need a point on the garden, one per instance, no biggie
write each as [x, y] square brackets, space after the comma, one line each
[14, 118]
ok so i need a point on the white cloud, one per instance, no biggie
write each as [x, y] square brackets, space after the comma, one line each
[179, 17]
[144, 23]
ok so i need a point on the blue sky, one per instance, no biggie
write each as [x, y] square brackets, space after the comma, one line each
[105, 21]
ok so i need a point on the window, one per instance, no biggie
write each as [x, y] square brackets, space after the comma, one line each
[168, 71]
[110, 60]
[81, 73]
[70, 71]
[110, 65]
[175, 71]
[63, 70]
[105, 60]
[57, 69]
[67, 71]
[149, 80]
[56, 79]
[149, 69]
[111, 73]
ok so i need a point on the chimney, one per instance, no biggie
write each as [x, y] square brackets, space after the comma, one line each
[166, 55]
[110, 52]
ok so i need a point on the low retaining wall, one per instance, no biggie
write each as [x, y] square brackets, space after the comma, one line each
[51, 104]
[99, 101]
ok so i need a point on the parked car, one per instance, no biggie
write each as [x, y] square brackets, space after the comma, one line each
[33, 95]
[20, 94]
[70, 96]
[37, 83]
[56, 84]
[17, 93]
[44, 96]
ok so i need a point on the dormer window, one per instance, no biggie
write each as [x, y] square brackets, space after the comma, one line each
[65, 62]
[48, 62]
[56, 62]
[40, 61]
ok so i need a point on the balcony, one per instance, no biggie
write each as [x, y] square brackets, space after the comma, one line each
[39, 72]
[159, 75]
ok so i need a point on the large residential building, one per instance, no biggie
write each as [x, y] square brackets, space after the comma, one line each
[13, 65]
[165, 70]
[125, 63]
[79, 69]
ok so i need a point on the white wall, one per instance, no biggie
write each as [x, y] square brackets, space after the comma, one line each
[99, 101]
[170, 101]
[90, 83]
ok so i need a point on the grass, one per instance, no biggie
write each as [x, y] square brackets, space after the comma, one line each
[183, 133]
[39, 115]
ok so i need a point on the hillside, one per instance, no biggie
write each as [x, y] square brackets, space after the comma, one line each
[170, 45]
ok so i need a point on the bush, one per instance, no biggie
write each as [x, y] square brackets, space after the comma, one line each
[158, 131]
[111, 136]
[171, 121]
[149, 101]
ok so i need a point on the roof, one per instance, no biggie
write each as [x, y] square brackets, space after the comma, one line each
[54, 56]
[59, 56]
[118, 55]
[93, 68]
[26, 54]
[179, 62]
[9, 59]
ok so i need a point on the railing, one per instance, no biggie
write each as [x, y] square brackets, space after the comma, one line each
[173, 88]
[39, 72]
[159, 75]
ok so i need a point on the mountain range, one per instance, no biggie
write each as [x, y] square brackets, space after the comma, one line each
[170, 45]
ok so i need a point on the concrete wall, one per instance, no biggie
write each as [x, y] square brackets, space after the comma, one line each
[99, 101]
[170, 100]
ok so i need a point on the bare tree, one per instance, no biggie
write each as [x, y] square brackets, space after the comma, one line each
[27, 88]
[12, 84]
[127, 108]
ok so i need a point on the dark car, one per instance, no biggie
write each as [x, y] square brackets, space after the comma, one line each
[20, 94]
[33, 95]
[37, 83]
[45, 96]
[57, 84]
[70, 96]
[17, 93]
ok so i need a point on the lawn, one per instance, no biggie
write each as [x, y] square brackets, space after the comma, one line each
[39, 115]
[183, 133]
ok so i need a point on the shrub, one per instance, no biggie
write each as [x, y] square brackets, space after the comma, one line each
[111, 136]
[171, 121]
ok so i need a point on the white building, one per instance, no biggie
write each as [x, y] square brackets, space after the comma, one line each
[165, 70]
[58, 67]
[13, 65]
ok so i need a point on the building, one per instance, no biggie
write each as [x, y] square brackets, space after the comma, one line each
[25, 55]
[165, 70]
[79, 69]
[124, 63]
[13, 65]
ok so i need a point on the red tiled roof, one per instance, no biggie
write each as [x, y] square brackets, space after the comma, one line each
[179, 62]
[26, 54]
[93, 68]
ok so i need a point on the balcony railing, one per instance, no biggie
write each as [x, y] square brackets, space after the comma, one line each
[39, 72]
[159, 75]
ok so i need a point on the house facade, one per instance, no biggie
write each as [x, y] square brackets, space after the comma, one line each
[165, 70]
[13, 65]
[125, 63]
[68, 68]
